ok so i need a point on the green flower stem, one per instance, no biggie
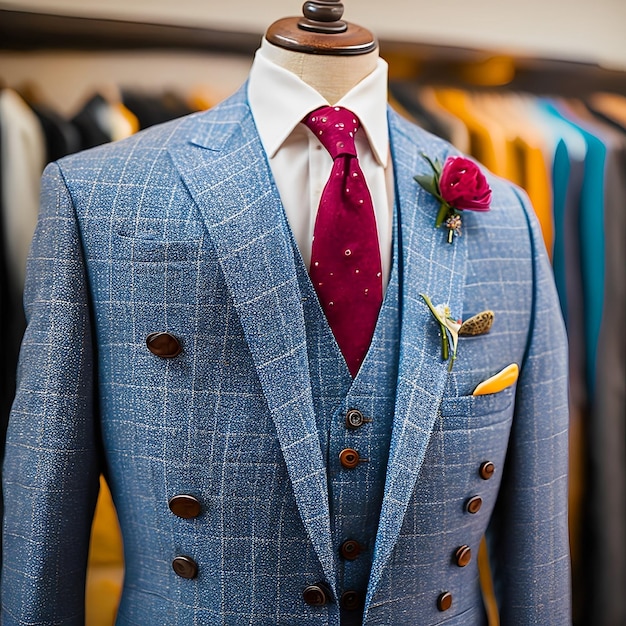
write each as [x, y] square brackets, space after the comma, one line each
[444, 209]
[445, 349]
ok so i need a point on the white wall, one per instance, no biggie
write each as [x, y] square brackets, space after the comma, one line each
[66, 79]
[583, 30]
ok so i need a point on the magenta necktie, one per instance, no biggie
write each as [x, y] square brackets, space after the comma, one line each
[345, 257]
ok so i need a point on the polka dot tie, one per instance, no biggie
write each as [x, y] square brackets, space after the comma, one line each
[345, 256]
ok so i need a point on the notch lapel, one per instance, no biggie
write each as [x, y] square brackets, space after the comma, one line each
[227, 174]
[431, 266]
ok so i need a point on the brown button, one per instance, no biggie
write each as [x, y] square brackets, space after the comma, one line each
[316, 595]
[350, 549]
[350, 600]
[444, 601]
[185, 567]
[354, 419]
[184, 506]
[164, 345]
[473, 504]
[349, 458]
[463, 556]
[486, 470]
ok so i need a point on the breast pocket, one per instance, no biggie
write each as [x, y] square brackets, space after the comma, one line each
[463, 412]
[152, 248]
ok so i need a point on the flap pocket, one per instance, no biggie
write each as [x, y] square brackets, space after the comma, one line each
[148, 248]
[466, 411]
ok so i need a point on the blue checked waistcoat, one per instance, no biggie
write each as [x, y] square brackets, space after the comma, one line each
[180, 230]
[355, 495]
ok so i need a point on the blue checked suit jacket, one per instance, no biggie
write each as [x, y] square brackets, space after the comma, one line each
[181, 229]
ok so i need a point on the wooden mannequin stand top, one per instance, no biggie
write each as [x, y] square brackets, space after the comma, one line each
[321, 31]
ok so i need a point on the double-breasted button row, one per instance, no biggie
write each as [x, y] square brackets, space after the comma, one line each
[164, 345]
[462, 556]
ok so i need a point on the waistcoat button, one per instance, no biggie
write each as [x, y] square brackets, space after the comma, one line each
[473, 504]
[444, 601]
[350, 549]
[463, 556]
[349, 458]
[486, 470]
[350, 600]
[184, 506]
[316, 595]
[354, 419]
[185, 567]
[164, 345]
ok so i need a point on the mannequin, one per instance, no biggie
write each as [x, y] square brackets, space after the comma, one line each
[175, 343]
[331, 76]
[327, 53]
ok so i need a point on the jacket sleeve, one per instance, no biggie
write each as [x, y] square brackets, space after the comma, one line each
[528, 536]
[51, 466]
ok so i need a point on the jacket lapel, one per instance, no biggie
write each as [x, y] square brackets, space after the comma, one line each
[431, 266]
[227, 174]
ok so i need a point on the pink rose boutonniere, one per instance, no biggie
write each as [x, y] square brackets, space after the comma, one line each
[459, 185]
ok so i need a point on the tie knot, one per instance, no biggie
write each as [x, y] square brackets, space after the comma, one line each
[335, 127]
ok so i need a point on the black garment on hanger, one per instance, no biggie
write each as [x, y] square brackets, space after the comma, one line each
[62, 137]
[92, 122]
[155, 109]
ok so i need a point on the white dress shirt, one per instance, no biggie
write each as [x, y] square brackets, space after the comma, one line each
[279, 100]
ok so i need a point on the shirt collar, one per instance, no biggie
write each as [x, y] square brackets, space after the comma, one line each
[279, 100]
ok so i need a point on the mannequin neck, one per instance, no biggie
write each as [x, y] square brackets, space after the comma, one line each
[331, 76]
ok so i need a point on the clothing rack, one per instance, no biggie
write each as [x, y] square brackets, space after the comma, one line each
[431, 63]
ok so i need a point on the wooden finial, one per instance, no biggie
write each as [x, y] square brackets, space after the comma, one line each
[322, 16]
[321, 31]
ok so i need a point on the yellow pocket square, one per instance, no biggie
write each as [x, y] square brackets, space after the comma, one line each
[503, 379]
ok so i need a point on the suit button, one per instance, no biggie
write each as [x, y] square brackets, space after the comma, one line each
[444, 601]
[350, 549]
[184, 506]
[354, 419]
[349, 458]
[350, 600]
[316, 595]
[185, 567]
[463, 556]
[164, 345]
[486, 470]
[473, 504]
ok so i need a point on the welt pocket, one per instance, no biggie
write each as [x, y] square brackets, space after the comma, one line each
[482, 410]
[148, 249]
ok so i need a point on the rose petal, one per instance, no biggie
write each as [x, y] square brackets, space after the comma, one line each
[463, 186]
